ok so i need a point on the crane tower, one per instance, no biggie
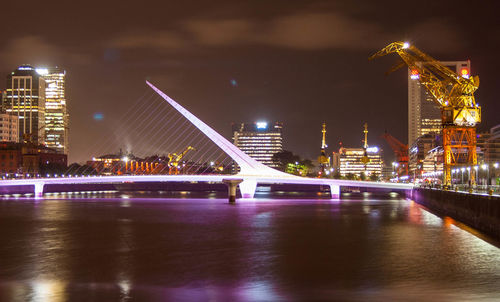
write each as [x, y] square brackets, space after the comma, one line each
[455, 95]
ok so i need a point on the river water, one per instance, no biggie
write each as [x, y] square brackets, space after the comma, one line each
[140, 247]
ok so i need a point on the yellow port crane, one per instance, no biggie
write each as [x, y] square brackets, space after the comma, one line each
[455, 95]
[174, 160]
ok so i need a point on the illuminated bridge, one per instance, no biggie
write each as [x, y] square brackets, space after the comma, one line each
[251, 172]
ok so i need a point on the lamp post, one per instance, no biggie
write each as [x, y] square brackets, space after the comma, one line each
[495, 165]
[468, 179]
[487, 168]
[462, 170]
[476, 173]
[125, 159]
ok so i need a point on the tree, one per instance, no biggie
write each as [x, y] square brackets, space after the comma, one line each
[374, 177]
[350, 176]
[284, 158]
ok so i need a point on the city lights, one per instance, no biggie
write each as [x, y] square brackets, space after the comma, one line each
[42, 71]
[261, 125]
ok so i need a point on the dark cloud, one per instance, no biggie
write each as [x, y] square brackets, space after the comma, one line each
[310, 31]
[38, 51]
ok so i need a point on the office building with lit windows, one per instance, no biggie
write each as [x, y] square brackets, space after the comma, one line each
[260, 140]
[9, 125]
[424, 113]
[351, 162]
[56, 112]
[25, 99]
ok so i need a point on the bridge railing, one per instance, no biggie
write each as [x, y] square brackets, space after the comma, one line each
[465, 188]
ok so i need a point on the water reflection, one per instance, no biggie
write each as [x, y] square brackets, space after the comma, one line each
[149, 248]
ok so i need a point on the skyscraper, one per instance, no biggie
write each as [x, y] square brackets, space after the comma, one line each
[56, 113]
[424, 114]
[259, 140]
[25, 98]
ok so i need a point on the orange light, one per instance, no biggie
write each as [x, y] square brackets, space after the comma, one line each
[464, 71]
[414, 74]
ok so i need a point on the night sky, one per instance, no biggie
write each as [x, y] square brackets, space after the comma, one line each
[299, 62]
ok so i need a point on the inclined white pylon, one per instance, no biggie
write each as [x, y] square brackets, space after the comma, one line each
[248, 165]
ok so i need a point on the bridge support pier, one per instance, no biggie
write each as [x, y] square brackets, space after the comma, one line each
[39, 189]
[248, 187]
[231, 188]
[335, 191]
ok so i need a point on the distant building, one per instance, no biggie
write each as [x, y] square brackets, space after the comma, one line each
[433, 162]
[424, 113]
[56, 112]
[259, 140]
[22, 159]
[418, 151]
[3, 95]
[118, 164]
[9, 125]
[25, 98]
[488, 144]
[351, 162]
[388, 172]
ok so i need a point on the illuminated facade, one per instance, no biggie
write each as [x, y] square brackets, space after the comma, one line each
[56, 113]
[259, 140]
[25, 98]
[433, 162]
[9, 125]
[424, 113]
[488, 145]
[419, 150]
[351, 162]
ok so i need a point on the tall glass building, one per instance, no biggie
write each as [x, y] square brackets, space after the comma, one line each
[424, 114]
[260, 140]
[25, 99]
[56, 112]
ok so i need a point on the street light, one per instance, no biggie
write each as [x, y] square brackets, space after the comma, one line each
[486, 167]
[462, 170]
[125, 159]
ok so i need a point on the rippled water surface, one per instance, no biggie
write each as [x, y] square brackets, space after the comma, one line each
[148, 248]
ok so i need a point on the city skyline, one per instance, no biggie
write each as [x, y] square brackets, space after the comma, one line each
[243, 62]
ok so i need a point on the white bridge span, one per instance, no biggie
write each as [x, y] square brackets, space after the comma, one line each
[247, 187]
[251, 171]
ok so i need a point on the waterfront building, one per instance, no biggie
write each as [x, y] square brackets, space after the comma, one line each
[424, 114]
[25, 98]
[56, 112]
[9, 125]
[488, 144]
[29, 159]
[418, 151]
[388, 172]
[260, 140]
[352, 162]
[3, 95]
[118, 164]
[433, 162]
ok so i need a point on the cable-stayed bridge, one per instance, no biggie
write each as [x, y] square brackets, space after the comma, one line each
[251, 172]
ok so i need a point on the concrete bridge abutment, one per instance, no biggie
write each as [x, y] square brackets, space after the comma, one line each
[335, 191]
[248, 187]
[38, 190]
[231, 188]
